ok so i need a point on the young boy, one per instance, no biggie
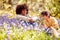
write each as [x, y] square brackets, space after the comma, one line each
[22, 11]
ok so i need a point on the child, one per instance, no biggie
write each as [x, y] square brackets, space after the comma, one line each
[22, 11]
[49, 22]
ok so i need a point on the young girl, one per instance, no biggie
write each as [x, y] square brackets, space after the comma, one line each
[50, 22]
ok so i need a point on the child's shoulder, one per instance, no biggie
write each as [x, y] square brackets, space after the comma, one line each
[52, 18]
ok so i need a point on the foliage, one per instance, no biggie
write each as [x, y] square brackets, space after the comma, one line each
[10, 31]
[17, 34]
[35, 8]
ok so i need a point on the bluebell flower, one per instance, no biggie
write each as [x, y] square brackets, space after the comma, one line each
[14, 20]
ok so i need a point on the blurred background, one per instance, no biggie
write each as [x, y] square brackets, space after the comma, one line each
[35, 7]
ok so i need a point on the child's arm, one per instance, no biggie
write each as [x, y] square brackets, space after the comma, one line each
[26, 18]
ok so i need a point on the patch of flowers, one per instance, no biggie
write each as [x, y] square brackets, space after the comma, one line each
[10, 29]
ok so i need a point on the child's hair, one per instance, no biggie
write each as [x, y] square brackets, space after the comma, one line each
[45, 13]
[19, 8]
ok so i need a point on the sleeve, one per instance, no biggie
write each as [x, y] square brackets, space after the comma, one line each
[23, 23]
[35, 24]
[55, 23]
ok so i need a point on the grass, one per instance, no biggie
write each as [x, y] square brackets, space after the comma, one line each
[20, 34]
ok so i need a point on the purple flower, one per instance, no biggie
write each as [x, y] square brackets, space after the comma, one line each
[3, 17]
[13, 23]
[14, 20]
[7, 26]
[1, 21]
[1, 24]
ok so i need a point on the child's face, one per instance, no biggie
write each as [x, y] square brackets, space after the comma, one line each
[24, 12]
[45, 17]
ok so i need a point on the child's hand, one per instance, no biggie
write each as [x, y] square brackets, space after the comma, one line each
[31, 20]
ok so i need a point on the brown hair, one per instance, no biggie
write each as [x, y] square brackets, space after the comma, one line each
[45, 13]
[19, 8]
